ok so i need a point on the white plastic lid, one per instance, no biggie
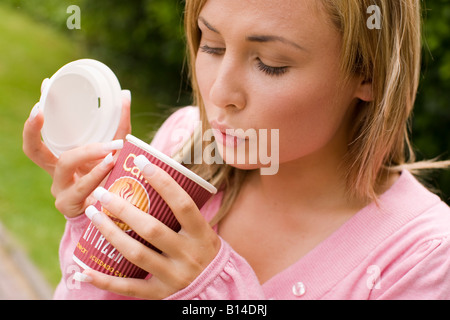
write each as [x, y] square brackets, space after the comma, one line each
[81, 104]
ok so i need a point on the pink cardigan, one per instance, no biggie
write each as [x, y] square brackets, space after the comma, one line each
[397, 250]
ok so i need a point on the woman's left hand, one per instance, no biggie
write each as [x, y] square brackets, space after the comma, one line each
[184, 254]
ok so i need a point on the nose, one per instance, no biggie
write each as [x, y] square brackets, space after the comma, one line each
[228, 89]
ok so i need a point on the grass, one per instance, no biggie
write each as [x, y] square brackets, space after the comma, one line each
[30, 52]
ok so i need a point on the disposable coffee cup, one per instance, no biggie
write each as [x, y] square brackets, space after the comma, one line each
[82, 104]
[93, 251]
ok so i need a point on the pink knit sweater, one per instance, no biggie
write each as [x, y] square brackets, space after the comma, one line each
[397, 250]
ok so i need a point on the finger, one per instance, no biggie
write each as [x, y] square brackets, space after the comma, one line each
[73, 159]
[64, 203]
[33, 146]
[93, 179]
[144, 224]
[179, 201]
[87, 183]
[137, 288]
[133, 250]
[125, 120]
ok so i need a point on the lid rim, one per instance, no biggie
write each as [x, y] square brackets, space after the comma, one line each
[172, 163]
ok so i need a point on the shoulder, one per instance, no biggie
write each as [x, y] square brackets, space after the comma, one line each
[421, 272]
[415, 256]
[408, 198]
[415, 212]
[175, 131]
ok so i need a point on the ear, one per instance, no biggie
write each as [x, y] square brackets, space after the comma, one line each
[364, 90]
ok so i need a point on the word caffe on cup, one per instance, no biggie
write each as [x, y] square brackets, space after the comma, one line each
[93, 250]
[241, 147]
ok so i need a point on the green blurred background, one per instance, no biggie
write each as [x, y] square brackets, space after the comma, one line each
[142, 41]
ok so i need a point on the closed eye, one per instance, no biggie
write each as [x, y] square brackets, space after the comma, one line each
[210, 50]
[271, 71]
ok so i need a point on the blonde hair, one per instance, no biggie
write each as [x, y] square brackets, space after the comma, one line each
[389, 58]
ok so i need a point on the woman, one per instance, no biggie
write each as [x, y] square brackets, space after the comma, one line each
[342, 218]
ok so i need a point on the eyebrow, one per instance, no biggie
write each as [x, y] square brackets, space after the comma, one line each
[263, 38]
[257, 38]
[206, 23]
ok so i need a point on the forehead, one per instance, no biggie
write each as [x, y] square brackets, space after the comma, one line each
[301, 20]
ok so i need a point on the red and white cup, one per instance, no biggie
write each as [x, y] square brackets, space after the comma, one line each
[93, 251]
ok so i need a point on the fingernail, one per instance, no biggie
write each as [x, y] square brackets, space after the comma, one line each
[102, 195]
[90, 212]
[81, 277]
[34, 112]
[127, 94]
[108, 160]
[94, 215]
[113, 145]
[144, 165]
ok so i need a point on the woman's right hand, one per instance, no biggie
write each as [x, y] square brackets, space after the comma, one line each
[72, 185]
[78, 172]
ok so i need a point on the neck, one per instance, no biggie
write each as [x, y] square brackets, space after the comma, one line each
[305, 184]
[312, 183]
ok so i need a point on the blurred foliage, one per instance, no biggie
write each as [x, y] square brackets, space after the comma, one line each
[431, 125]
[142, 40]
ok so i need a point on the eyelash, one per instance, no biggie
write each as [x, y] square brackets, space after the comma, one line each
[214, 51]
[271, 71]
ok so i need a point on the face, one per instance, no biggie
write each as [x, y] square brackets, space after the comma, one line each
[266, 66]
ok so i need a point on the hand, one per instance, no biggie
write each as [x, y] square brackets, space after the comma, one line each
[38, 152]
[71, 185]
[184, 254]
[78, 172]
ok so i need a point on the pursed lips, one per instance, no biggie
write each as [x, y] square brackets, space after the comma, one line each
[227, 135]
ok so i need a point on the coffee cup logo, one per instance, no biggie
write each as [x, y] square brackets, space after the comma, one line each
[134, 192]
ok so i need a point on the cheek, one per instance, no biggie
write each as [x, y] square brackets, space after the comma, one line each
[307, 119]
[205, 76]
